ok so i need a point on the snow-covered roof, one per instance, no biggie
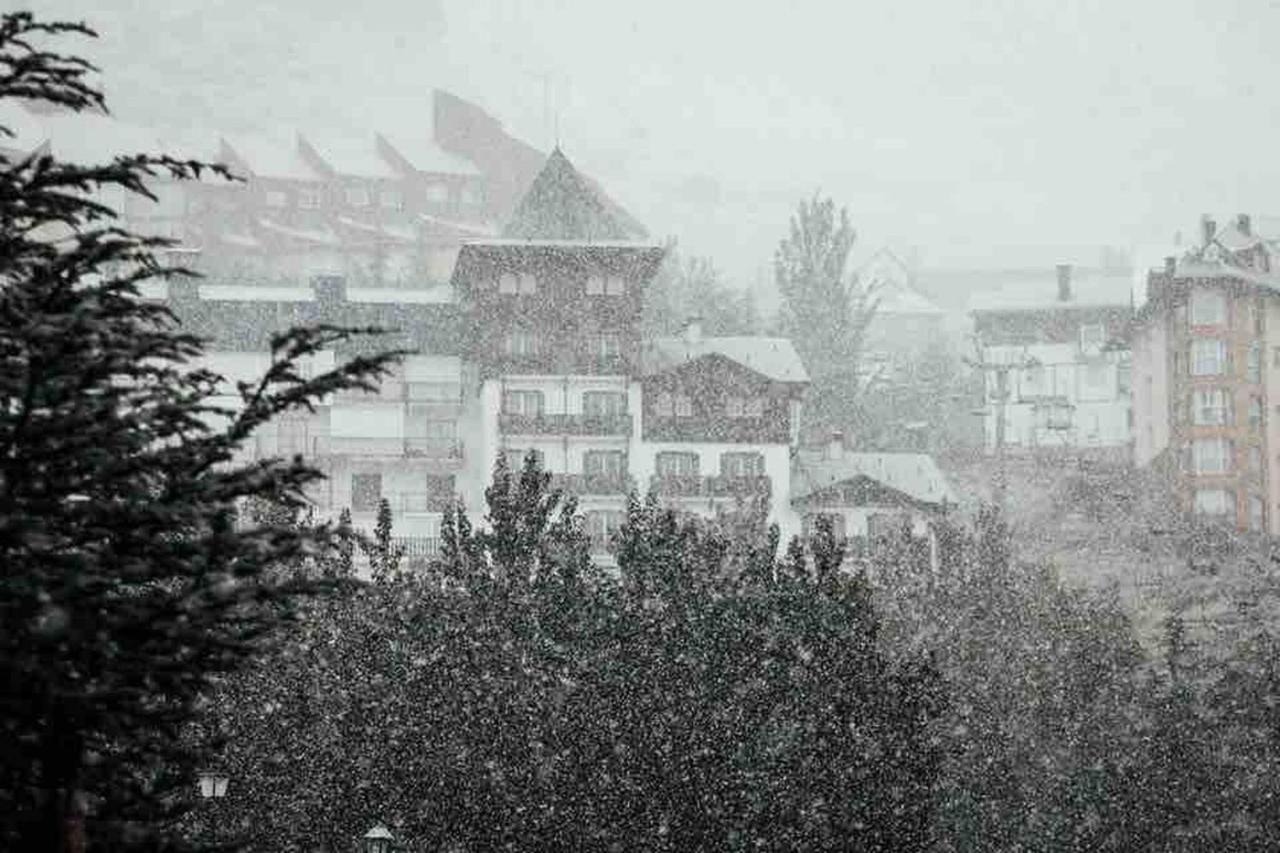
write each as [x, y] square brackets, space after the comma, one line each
[92, 137]
[561, 204]
[914, 474]
[255, 293]
[402, 296]
[271, 157]
[352, 156]
[479, 228]
[894, 291]
[424, 154]
[404, 235]
[570, 244]
[774, 358]
[1089, 289]
[322, 235]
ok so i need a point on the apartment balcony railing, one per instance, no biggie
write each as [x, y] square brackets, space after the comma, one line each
[512, 424]
[717, 486]
[592, 484]
[418, 546]
[433, 448]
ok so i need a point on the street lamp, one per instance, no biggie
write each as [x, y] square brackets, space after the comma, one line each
[213, 785]
[377, 840]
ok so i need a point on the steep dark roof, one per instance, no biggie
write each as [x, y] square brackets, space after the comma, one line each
[561, 204]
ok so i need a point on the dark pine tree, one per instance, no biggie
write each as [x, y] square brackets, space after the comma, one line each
[126, 587]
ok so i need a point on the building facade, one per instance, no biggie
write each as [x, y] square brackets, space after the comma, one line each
[1206, 360]
[1056, 365]
[534, 348]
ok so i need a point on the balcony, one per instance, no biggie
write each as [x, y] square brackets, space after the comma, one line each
[718, 486]
[609, 425]
[592, 484]
[433, 447]
[418, 546]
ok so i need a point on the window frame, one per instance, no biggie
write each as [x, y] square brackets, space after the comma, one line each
[1201, 299]
[731, 458]
[368, 477]
[663, 457]
[591, 403]
[1198, 357]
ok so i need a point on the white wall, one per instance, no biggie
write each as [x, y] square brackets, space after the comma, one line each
[1150, 391]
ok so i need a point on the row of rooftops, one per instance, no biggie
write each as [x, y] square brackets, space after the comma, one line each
[94, 137]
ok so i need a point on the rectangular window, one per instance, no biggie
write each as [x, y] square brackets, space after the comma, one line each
[606, 345]
[470, 194]
[614, 285]
[277, 198]
[1208, 357]
[602, 526]
[1208, 308]
[664, 405]
[604, 463]
[1255, 362]
[1215, 502]
[1255, 461]
[673, 464]
[595, 285]
[742, 464]
[438, 194]
[735, 407]
[309, 198]
[810, 525]
[1211, 407]
[1255, 413]
[528, 403]
[527, 284]
[1093, 335]
[522, 343]
[517, 456]
[358, 196]
[1095, 377]
[391, 199]
[1033, 381]
[598, 403]
[1211, 456]
[1257, 514]
[684, 406]
[366, 492]
[508, 283]
[1124, 377]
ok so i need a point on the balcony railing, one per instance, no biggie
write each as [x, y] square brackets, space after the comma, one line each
[512, 424]
[418, 546]
[433, 448]
[592, 484]
[696, 486]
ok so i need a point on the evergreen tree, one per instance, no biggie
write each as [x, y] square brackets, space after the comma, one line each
[825, 311]
[126, 588]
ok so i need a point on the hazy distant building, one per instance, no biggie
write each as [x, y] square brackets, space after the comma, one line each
[906, 322]
[1206, 364]
[1056, 362]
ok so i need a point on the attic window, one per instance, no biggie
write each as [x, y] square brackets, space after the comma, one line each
[595, 285]
[508, 283]
[528, 284]
[357, 196]
[309, 198]
[437, 193]
[614, 285]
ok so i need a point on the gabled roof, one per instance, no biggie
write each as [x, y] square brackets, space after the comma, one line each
[915, 475]
[563, 205]
[1089, 289]
[895, 291]
[773, 358]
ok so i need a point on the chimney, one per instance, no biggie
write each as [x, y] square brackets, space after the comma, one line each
[1244, 224]
[1064, 282]
[835, 446]
[693, 331]
[1208, 228]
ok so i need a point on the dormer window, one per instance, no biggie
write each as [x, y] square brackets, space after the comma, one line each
[606, 285]
[664, 405]
[595, 285]
[524, 284]
[748, 407]
[357, 196]
[309, 198]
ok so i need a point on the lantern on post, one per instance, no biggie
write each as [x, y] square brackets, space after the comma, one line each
[213, 785]
[377, 840]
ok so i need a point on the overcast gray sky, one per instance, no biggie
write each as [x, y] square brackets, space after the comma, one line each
[1001, 133]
